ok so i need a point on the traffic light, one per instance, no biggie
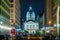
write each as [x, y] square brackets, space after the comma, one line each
[11, 21]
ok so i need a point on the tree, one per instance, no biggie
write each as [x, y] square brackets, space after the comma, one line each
[39, 32]
[26, 32]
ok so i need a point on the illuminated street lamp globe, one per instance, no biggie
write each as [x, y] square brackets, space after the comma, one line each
[1, 22]
[49, 22]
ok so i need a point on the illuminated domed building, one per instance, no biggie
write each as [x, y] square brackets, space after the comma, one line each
[31, 25]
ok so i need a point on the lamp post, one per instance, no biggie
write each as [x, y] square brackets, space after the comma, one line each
[58, 20]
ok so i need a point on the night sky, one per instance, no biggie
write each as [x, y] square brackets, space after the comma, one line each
[37, 5]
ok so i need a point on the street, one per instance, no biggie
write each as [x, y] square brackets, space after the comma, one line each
[31, 38]
[29, 19]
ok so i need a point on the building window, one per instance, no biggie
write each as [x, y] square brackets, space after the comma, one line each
[27, 27]
[5, 14]
[0, 2]
[11, 5]
[7, 1]
[0, 11]
[11, 10]
[59, 16]
[5, 7]
[31, 27]
[11, 0]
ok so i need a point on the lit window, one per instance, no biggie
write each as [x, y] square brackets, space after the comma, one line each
[31, 28]
[27, 27]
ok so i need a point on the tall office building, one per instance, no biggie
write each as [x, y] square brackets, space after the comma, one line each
[56, 10]
[56, 14]
[48, 13]
[15, 12]
[4, 12]
[53, 13]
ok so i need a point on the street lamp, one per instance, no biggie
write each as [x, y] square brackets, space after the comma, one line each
[49, 22]
[1, 22]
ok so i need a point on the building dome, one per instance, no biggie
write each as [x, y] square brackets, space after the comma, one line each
[30, 14]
